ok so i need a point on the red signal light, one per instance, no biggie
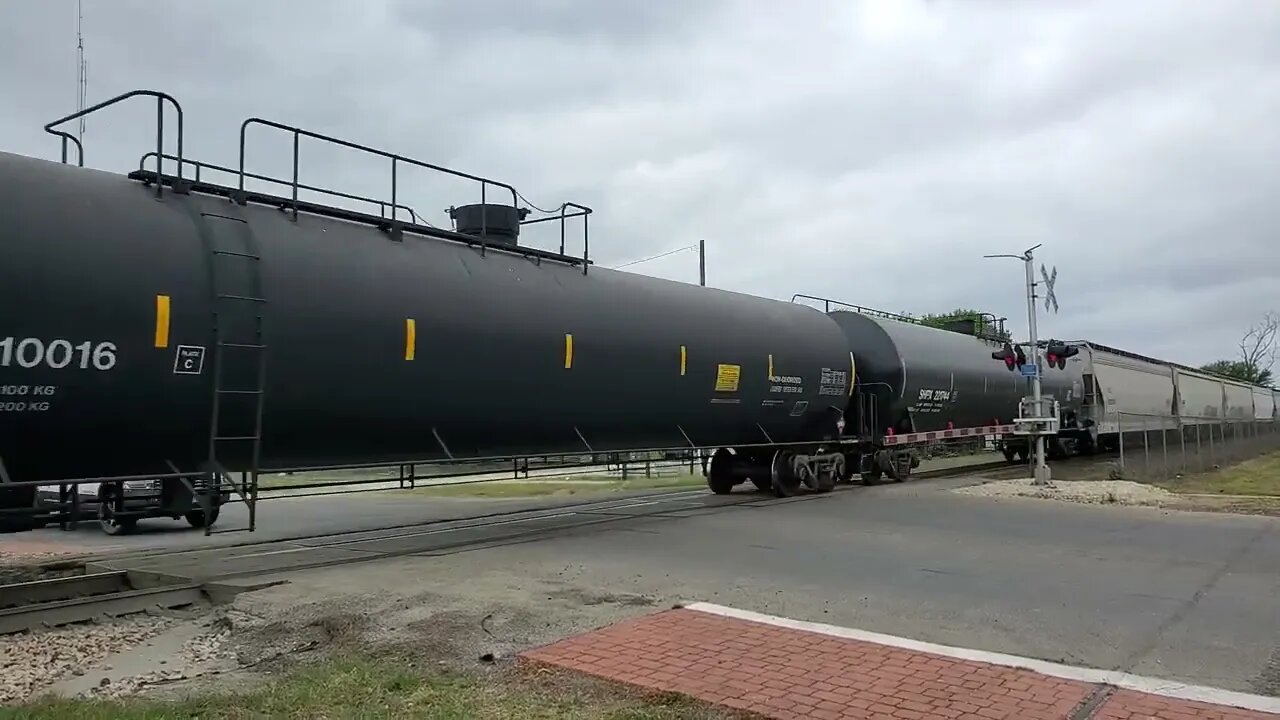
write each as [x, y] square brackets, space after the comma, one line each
[1056, 354]
[1008, 356]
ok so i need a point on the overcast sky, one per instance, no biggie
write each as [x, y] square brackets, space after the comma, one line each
[870, 152]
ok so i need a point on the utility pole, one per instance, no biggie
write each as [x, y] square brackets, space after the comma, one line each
[702, 263]
[1043, 420]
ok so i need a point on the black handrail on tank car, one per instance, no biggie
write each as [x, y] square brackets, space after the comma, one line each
[583, 212]
[199, 165]
[160, 100]
[828, 303]
[383, 223]
[294, 202]
[395, 159]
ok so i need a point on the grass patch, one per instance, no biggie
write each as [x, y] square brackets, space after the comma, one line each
[372, 688]
[269, 481]
[1259, 476]
[580, 485]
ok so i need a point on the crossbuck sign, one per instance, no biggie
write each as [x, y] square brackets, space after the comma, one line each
[1049, 280]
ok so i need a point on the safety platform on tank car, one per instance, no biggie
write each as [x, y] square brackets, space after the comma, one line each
[391, 225]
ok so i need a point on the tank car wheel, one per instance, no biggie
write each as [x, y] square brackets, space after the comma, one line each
[15, 498]
[196, 518]
[869, 470]
[720, 472]
[848, 468]
[827, 478]
[897, 467]
[785, 480]
[107, 519]
[113, 525]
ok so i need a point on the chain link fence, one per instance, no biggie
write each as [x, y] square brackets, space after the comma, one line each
[1155, 447]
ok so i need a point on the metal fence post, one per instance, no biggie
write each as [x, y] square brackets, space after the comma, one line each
[1213, 455]
[1164, 448]
[1182, 444]
[1120, 435]
[1146, 451]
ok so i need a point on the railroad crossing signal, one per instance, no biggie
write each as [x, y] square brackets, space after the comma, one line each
[1056, 354]
[1012, 356]
[1049, 280]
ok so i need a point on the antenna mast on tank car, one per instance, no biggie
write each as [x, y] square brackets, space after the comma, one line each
[82, 80]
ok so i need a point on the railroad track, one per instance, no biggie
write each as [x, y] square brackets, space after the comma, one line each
[113, 593]
[79, 598]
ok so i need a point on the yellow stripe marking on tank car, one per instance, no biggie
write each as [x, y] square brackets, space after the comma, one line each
[410, 338]
[162, 321]
[853, 372]
[771, 366]
[568, 351]
[684, 358]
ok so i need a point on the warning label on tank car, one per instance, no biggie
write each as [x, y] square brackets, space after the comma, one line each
[833, 382]
[799, 408]
[188, 360]
[727, 377]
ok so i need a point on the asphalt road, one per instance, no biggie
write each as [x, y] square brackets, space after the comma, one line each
[1193, 597]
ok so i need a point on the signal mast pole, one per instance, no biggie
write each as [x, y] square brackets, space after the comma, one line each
[1042, 474]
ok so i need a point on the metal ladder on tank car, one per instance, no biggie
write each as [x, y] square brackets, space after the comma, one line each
[237, 306]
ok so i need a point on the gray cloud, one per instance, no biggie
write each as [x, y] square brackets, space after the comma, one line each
[871, 152]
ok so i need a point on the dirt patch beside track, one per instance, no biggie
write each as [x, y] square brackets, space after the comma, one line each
[1107, 492]
[440, 618]
[1123, 492]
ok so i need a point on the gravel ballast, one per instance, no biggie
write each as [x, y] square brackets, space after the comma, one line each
[30, 662]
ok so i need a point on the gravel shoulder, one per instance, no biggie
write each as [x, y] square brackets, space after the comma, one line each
[1108, 492]
[1210, 492]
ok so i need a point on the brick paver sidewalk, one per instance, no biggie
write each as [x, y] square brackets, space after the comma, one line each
[784, 672]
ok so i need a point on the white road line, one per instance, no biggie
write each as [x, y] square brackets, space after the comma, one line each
[1154, 686]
